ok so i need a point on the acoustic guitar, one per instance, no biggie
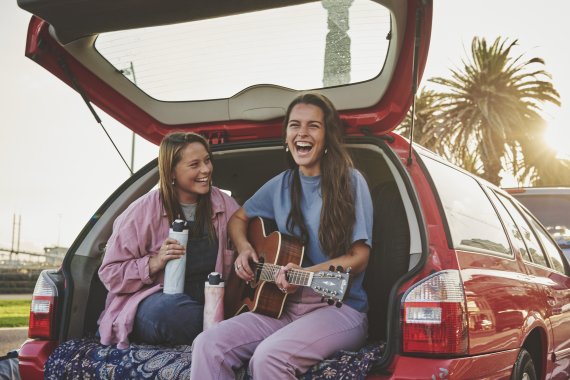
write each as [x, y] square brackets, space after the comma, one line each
[274, 250]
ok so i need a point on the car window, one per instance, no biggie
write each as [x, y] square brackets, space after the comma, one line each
[302, 47]
[549, 246]
[473, 222]
[534, 250]
[514, 233]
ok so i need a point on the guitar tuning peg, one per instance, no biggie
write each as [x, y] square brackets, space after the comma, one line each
[348, 269]
[338, 304]
[331, 268]
[339, 268]
[330, 301]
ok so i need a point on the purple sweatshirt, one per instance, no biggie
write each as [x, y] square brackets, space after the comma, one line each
[138, 234]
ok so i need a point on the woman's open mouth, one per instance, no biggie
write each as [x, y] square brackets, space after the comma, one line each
[303, 148]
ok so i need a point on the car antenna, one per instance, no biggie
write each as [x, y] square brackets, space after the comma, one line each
[415, 69]
[78, 88]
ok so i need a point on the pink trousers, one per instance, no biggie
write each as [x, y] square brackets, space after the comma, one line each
[307, 332]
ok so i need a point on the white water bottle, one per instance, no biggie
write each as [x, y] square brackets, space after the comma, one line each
[213, 300]
[176, 269]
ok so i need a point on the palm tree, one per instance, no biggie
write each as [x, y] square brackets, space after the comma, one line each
[491, 107]
[429, 131]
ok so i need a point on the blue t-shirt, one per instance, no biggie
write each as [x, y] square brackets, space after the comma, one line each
[273, 201]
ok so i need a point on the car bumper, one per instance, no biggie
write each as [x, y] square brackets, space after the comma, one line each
[495, 366]
[32, 357]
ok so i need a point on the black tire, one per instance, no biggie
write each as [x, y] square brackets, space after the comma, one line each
[524, 367]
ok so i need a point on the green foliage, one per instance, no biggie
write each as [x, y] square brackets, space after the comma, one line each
[486, 116]
[14, 313]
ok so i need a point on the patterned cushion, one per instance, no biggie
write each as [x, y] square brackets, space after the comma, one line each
[88, 359]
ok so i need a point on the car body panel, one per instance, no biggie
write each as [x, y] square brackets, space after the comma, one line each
[500, 299]
[32, 357]
[494, 366]
[144, 115]
[555, 294]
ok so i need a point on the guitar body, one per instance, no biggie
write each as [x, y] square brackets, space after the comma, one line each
[262, 296]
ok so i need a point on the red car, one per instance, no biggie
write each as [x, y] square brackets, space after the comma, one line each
[463, 283]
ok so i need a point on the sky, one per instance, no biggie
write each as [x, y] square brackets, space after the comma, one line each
[58, 166]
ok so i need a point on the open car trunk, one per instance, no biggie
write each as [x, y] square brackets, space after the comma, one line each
[242, 169]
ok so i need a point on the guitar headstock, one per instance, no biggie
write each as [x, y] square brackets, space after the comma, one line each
[332, 285]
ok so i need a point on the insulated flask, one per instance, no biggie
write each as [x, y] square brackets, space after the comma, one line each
[175, 269]
[213, 300]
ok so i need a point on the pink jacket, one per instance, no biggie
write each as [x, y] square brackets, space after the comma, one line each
[138, 234]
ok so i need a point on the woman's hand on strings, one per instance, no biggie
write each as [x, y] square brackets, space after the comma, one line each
[242, 264]
[281, 279]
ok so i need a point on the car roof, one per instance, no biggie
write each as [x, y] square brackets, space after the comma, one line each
[524, 191]
[83, 44]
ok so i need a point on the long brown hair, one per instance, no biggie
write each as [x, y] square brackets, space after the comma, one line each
[169, 154]
[338, 212]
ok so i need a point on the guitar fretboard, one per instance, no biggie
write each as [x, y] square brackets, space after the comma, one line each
[294, 276]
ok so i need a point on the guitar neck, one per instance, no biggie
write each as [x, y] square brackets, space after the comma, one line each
[294, 276]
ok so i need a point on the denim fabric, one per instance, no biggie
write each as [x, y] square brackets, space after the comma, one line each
[168, 319]
[202, 254]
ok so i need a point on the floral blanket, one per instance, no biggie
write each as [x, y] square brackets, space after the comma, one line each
[88, 359]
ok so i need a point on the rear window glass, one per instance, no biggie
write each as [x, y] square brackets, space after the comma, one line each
[472, 220]
[307, 46]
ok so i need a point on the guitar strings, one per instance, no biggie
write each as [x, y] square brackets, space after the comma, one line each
[294, 276]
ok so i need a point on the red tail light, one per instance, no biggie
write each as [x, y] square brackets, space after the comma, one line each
[434, 316]
[43, 308]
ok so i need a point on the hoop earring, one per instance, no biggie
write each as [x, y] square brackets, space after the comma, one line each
[326, 150]
[173, 183]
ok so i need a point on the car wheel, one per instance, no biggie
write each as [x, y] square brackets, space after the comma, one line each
[524, 367]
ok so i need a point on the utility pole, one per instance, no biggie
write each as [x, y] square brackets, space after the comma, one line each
[14, 234]
[131, 72]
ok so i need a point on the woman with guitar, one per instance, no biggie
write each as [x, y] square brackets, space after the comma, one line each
[139, 249]
[326, 203]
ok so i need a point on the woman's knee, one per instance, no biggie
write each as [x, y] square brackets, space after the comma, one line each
[208, 341]
[268, 358]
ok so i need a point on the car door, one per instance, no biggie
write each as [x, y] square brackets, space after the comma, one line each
[557, 292]
[549, 271]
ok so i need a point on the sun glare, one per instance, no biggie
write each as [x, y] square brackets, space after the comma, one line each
[558, 137]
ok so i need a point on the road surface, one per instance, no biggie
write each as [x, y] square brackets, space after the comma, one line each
[11, 338]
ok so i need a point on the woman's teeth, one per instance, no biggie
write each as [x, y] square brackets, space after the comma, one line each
[303, 147]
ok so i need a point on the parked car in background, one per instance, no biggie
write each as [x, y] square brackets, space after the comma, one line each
[551, 205]
[463, 283]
